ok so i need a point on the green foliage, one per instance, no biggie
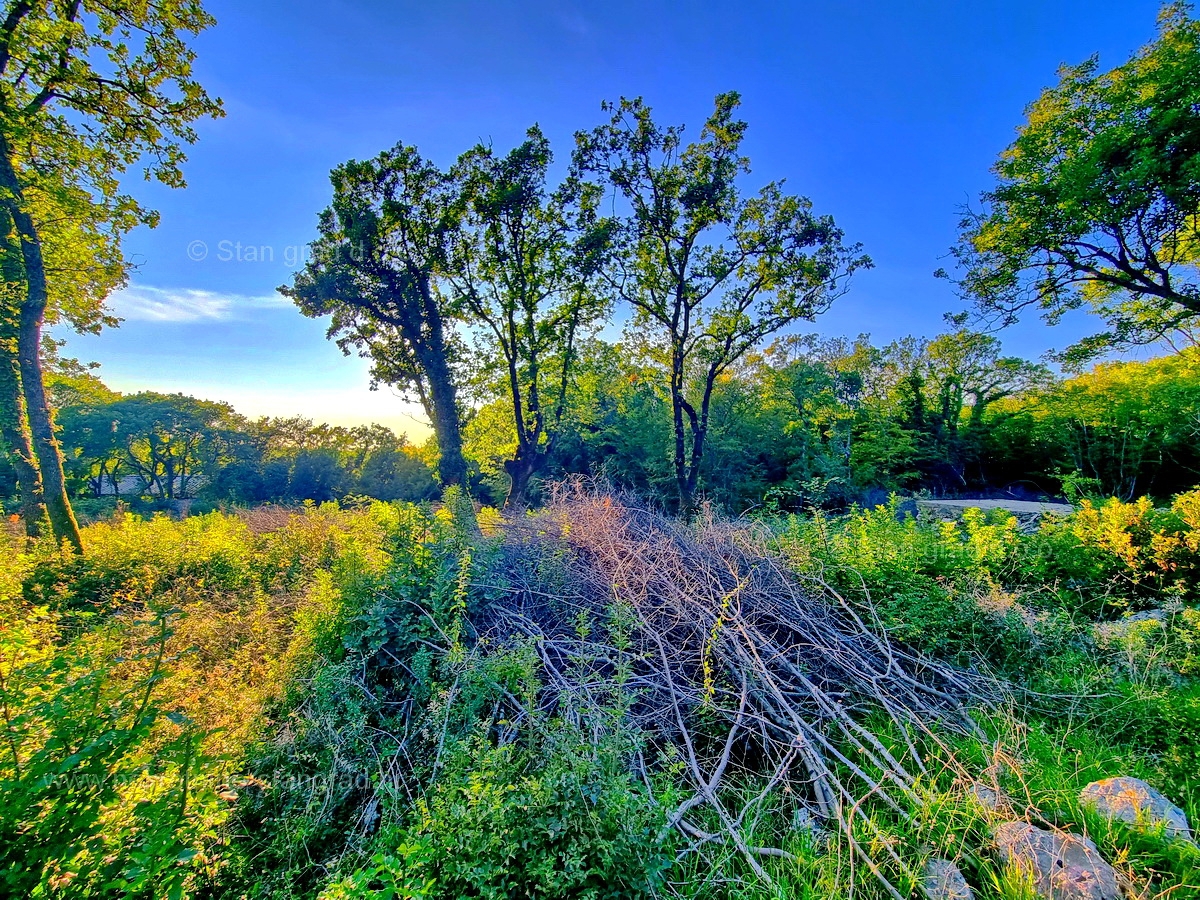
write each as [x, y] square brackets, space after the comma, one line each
[503, 822]
[311, 683]
[709, 270]
[527, 271]
[164, 447]
[1117, 556]
[1095, 200]
[86, 811]
[132, 681]
[981, 589]
[927, 582]
[1120, 430]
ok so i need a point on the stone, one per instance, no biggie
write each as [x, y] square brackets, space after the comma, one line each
[1132, 801]
[942, 880]
[1062, 866]
[988, 797]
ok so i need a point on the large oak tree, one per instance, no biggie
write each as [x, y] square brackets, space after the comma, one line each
[525, 274]
[378, 268]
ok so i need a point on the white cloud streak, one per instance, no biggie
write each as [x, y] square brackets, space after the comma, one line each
[143, 303]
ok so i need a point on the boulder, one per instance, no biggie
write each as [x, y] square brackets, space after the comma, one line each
[1062, 866]
[942, 880]
[1132, 801]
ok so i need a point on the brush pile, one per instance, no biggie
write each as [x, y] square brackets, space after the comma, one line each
[701, 638]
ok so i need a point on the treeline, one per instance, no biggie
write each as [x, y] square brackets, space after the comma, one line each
[807, 422]
[828, 423]
[153, 450]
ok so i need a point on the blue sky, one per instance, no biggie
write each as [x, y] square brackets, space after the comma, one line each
[887, 114]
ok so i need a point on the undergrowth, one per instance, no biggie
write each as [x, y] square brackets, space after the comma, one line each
[328, 703]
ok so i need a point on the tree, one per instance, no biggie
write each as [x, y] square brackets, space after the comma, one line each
[967, 370]
[376, 268]
[1128, 428]
[169, 441]
[1096, 202]
[709, 273]
[395, 473]
[317, 475]
[525, 271]
[86, 90]
[70, 382]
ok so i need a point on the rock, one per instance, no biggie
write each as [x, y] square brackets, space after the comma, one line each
[1062, 866]
[1132, 801]
[988, 797]
[943, 881]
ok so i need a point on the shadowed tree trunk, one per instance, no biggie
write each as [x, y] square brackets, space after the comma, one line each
[14, 424]
[29, 339]
[14, 431]
[452, 465]
[41, 422]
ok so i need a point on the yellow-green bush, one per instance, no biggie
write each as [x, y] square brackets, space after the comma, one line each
[133, 679]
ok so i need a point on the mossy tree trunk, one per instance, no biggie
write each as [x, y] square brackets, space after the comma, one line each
[31, 318]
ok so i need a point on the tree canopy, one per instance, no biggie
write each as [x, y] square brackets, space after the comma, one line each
[709, 270]
[1096, 202]
[87, 90]
[378, 268]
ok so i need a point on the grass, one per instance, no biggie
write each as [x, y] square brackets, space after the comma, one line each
[326, 702]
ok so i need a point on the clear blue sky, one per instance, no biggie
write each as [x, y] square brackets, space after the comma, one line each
[887, 114]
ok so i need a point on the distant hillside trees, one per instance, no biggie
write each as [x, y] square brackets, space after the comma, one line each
[171, 447]
[804, 422]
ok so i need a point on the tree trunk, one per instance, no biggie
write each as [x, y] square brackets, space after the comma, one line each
[41, 425]
[520, 473]
[14, 430]
[14, 423]
[443, 397]
[687, 495]
[29, 339]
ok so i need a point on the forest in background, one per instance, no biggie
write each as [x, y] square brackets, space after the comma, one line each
[807, 423]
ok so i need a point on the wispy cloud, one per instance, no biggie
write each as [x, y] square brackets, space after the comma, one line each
[143, 303]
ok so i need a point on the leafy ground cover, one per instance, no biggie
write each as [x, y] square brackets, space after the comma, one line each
[592, 700]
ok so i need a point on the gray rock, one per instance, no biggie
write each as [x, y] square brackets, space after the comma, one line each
[1132, 801]
[943, 881]
[1062, 866]
[988, 797]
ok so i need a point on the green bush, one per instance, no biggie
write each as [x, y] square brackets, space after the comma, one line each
[921, 581]
[502, 822]
[120, 731]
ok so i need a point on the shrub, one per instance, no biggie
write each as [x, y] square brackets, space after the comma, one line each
[562, 821]
[918, 580]
[1113, 556]
[133, 679]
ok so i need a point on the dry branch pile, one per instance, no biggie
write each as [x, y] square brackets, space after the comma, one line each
[691, 625]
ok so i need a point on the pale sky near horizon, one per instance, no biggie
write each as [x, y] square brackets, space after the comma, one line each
[888, 115]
